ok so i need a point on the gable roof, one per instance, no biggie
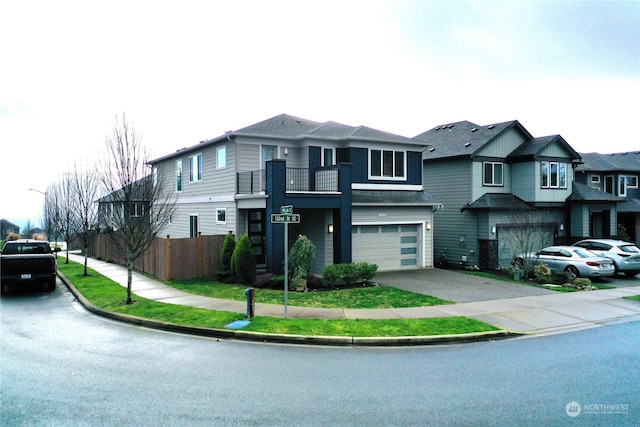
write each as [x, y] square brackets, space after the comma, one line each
[629, 161]
[583, 193]
[291, 128]
[497, 201]
[534, 147]
[463, 139]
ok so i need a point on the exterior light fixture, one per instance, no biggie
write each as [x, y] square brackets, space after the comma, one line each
[330, 229]
[428, 226]
[493, 229]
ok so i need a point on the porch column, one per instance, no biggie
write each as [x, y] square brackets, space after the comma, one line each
[274, 233]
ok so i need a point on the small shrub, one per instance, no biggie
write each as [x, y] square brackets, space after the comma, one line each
[331, 274]
[243, 261]
[228, 245]
[366, 271]
[349, 273]
[314, 282]
[12, 236]
[264, 281]
[300, 257]
[542, 273]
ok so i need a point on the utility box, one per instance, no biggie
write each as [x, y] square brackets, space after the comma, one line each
[251, 302]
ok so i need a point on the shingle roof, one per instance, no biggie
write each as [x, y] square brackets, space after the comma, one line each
[390, 197]
[497, 201]
[462, 138]
[532, 148]
[630, 205]
[583, 193]
[629, 161]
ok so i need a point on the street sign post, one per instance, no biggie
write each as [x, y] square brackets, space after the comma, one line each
[285, 217]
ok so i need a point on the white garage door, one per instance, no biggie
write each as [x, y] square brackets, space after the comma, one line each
[391, 247]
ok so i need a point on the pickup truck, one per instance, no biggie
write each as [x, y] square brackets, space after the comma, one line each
[26, 261]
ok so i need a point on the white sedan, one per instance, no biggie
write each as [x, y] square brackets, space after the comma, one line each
[570, 260]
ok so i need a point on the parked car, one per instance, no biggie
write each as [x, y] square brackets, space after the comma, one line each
[26, 261]
[625, 255]
[570, 260]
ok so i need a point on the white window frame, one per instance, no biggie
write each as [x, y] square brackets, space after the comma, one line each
[394, 174]
[594, 182]
[193, 226]
[218, 211]
[155, 177]
[195, 173]
[179, 175]
[493, 174]
[221, 157]
[559, 166]
[323, 161]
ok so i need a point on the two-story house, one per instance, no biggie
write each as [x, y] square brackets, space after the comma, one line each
[359, 192]
[495, 182]
[615, 174]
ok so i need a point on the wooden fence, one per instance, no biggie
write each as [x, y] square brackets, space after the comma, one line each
[168, 259]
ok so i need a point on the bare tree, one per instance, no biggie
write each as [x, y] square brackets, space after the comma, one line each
[139, 204]
[529, 231]
[85, 187]
[62, 192]
[51, 215]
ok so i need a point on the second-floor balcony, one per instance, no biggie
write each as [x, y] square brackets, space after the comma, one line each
[297, 179]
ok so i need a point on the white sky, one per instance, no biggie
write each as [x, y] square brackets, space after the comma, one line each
[184, 71]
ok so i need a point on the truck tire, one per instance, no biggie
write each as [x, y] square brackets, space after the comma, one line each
[51, 284]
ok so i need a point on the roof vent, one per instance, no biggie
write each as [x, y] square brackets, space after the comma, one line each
[432, 149]
[474, 129]
[438, 128]
[467, 144]
[490, 127]
[450, 126]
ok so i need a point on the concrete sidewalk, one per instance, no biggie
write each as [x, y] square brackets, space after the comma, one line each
[534, 311]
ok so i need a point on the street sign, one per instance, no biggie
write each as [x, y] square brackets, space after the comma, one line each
[286, 210]
[288, 218]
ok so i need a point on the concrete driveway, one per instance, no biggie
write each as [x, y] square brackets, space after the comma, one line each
[456, 286]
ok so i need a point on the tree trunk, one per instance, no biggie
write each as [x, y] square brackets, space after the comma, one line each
[129, 277]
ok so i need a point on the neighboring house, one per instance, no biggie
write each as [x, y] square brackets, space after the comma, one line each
[358, 191]
[615, 174]
[114, 204]
[495, 181]
[7, 227]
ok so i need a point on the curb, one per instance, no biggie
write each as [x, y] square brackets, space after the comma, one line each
[338, 341]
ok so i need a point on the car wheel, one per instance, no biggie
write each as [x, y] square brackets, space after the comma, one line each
[572, 272]
[631, 273]
[51, 285]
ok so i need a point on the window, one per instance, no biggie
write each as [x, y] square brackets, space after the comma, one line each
[328, 157]
[137, 209]
[626, 181]
[155, 177]
[608, 184]
[387, 164]
[193, 226]
[221, 157]
[179, 175]
[595, 182]
[221, 216]
[553, 175]
[195, 168]
[492, 173]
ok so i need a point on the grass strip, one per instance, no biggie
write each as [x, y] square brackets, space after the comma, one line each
[364, 297]
[108, 295]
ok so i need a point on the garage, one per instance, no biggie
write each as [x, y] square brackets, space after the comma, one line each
[390, 246]
[512, 238]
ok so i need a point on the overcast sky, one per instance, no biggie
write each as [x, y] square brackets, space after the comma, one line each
[184, 71]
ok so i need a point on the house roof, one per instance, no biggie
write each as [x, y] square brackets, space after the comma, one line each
[584, 193]
[7, 224]
[462, 139]
[630, 205]
[535, 147]
[499, 201]
[287, 127]
[629, 161]
[391, 197]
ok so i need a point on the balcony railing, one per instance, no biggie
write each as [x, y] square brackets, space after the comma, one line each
[297, 179]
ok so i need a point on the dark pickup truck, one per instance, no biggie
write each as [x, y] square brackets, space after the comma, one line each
[26, 261]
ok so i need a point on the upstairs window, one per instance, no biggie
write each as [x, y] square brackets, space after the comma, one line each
[328, 157]
[608, 184]
[387, 164]
[195, 168]
[221, 216]
[553, 175]
[493, 173]
[221, 157]
[626, 181]
[179, 175]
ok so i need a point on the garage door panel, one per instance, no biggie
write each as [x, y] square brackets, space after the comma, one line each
[390, 246]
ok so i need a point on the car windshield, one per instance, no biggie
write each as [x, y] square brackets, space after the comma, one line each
[633, 249]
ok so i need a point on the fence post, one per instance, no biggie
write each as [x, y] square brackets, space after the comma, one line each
[168, 256]
[200, 254]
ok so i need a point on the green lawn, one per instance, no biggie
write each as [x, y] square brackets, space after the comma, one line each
[365, 297]
[108, 295]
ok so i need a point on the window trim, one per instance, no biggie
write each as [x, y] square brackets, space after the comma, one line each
[222, 148]
[323, 162]
[623, 181]
[546, 171]
[394, 174]
[218, 211]
[197, 176]
[493, 174]
[179, 175]
[193, 225]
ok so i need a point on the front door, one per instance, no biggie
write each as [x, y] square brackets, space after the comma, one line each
[256, 234]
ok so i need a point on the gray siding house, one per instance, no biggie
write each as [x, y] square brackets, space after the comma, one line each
[493, 182]
[617, 176]
[359, 192]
